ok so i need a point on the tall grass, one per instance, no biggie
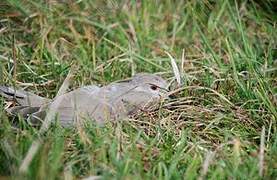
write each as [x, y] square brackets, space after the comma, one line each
[220, 125]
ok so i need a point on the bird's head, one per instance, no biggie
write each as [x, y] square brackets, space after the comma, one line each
[150, 83]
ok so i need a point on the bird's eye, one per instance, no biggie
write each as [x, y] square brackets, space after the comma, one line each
[153, 87]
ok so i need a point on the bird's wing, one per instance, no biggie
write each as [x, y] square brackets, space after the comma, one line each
[89, 103]
[67, 105]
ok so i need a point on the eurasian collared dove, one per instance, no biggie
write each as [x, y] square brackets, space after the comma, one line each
[112, 102]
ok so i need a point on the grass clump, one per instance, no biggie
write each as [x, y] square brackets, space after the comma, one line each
[221, 123]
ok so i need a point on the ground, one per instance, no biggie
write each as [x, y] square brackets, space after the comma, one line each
[221, 123]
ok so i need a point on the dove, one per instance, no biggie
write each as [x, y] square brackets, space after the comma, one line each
[115, 101]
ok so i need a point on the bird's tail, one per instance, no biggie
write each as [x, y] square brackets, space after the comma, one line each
[26, 103]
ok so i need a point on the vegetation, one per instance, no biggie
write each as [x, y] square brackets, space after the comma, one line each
[221, 124]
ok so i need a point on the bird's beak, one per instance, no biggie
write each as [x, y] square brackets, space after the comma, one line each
[171, 94]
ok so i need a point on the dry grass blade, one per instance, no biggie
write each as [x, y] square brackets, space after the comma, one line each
[68, 173]
[261, 154]
[45, 125]
[205, 167]
[52, 111]
[30, 155]
[210, 155]
[175, 69]
[6, 59]
[182, 63]
[92, 178]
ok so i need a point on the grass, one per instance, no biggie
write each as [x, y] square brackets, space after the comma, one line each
[212, 129]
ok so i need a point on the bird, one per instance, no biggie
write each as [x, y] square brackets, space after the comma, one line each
[113, 102]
